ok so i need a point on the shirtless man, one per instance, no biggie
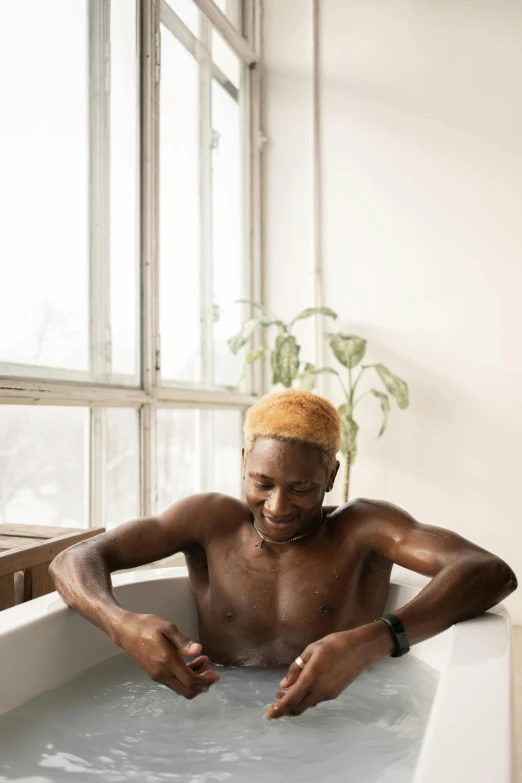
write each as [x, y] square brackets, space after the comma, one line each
[280, 579]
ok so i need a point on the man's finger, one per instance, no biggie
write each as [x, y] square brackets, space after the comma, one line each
[191, 679]
[205, 672]
[182, 642]
[188, 693]
[293, 696]
[293, 673]
[198, 663]
[183, 672]
[310, 700]
[179, 668]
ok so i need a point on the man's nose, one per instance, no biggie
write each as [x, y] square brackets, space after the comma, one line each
[277, 504]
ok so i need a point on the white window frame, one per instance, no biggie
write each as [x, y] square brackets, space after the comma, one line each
[48, 386]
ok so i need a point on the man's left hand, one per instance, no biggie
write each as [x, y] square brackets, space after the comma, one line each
[331, 664]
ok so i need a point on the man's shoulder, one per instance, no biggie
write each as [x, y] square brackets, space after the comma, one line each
[197, 519]
[353, 510]
[215, 511]
[360, 508]
[365, 517]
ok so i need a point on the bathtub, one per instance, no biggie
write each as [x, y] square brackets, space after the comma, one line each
[469, 736]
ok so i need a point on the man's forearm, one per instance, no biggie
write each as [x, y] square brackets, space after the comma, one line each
[458, 592]
[83, 580]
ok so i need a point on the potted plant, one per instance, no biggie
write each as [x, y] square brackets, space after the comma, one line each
[289, 370]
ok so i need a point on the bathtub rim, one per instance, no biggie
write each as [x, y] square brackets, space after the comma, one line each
[483, 750]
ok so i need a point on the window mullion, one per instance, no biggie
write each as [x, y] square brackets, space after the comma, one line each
[205, 139]
[150, 58]
[252, 141]
[99, 189]
[148, 460]
[99, 247]
[98, 468]
[150, 70]
[206, 450]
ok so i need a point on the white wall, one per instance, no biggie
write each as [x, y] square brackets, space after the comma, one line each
[422, 236]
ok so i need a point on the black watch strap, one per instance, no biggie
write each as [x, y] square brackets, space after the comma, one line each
[402, 646]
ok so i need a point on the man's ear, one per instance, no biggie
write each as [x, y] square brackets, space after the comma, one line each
[243, 460]
[335, 472]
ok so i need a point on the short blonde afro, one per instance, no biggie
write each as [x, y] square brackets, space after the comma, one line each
[298, 416]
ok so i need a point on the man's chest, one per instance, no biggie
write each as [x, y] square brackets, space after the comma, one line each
[291, 598]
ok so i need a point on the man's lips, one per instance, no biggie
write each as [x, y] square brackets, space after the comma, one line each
[279, 523]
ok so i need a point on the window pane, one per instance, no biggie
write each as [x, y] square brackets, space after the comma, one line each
[178, 455]
[179, 214]
[43, 470]
[124, 188]
[228, 282]
[198, 451]
[231, 9]
[123, 465]
[228, 441]
[44, 183]
[225, 59]
[188, 12]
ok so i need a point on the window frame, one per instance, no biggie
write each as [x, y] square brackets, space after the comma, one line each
[50, 386]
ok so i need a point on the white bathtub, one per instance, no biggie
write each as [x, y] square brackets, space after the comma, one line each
[469, 736]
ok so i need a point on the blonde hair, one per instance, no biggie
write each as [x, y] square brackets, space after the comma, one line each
[298, 416]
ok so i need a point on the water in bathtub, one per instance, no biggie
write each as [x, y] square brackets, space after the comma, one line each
[114, 724]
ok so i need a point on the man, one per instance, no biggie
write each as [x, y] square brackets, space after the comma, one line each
[280, 579]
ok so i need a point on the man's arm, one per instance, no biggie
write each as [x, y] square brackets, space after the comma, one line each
[466, 581]
[81, 574]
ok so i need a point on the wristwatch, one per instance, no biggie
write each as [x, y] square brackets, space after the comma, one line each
[402, 646]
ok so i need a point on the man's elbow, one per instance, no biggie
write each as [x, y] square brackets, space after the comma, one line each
[57, 568]
[62, 565]
[501, 577]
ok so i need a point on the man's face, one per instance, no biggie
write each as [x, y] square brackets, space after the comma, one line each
[284, 486]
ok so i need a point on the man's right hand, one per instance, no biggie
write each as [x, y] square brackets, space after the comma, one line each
[157, 646]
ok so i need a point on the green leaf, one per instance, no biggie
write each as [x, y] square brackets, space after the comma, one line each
[385, 407]
[250, 358]
[347, 348]
[349, 430]
[395, 385]
[285, 360]
[245, 333]
[308, 375]
[314, 311]
[243, 336]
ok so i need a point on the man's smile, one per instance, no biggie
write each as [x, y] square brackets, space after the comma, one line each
[277, 523]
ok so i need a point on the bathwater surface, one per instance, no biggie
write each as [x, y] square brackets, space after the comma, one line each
[114, 724]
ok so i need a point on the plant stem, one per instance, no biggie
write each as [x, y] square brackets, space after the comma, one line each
[357, 401]
[358, 379]
[346, 489]
[343, 387]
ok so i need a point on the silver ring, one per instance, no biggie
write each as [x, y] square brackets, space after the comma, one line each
[299, 661]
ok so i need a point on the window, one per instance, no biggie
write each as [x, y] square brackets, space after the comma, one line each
[44, 194]
[43, 469]
[186, 465]
[180, 246]
[201, 205]
[129, 177]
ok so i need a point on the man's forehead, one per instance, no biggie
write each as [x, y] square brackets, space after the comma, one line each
[297, 462]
